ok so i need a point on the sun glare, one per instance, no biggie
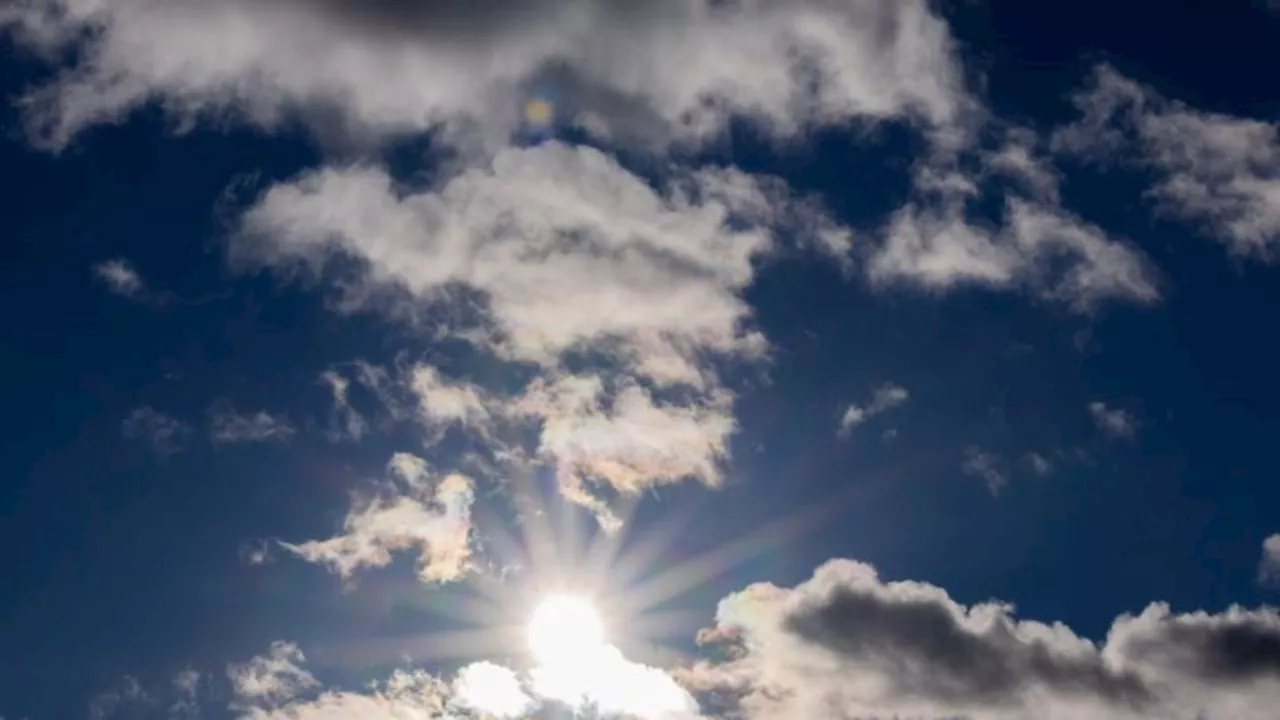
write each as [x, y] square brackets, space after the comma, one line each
[565, 630]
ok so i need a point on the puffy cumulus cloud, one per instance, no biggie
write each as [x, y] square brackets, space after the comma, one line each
[936, 242]
[492, 689]
[1218, 171]
[164, 434]
[847, 644]
[411, 512]
[1115, 422]
[667, 69]
[226, 425]
[271, 679]
[120, 277]
[884, 397]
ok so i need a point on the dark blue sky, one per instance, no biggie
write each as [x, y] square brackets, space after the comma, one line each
[128, 561]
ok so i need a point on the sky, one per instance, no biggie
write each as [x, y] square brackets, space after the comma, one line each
[680, 360]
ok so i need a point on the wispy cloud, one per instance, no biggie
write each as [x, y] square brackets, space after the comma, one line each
[1115, 422]
[884, 397]
[987, 466]
[1218, 171]
[165, 434]
[120, 277]
[228, 426]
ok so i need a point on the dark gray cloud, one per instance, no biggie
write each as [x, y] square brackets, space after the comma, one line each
[923, 647]
[847, 645]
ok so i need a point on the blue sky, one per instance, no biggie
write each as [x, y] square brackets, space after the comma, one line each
[855, 358]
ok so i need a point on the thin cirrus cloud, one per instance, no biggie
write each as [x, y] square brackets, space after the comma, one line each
[1269, 565]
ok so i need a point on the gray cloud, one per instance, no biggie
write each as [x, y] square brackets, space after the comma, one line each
[847, 645]
[226, 425]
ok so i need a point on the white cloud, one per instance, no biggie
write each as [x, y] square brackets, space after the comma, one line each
[431, 518]
[846, 644]
[270, 680]
[1218, 171]
[667, 69]
[228, 426]
[1038, 246]
[1115, 422]
[120, 277]
[491, 689]
[572, 256]
[884, 397]
[987, 466]
[605, 684]
[1269, 565]
[165, 434]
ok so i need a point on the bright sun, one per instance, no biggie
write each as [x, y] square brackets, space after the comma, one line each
[565, 630]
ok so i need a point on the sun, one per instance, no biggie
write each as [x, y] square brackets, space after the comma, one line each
[565, 630]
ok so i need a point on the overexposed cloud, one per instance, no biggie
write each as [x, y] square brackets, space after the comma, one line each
[1219, 172]
[1115, 422]
[164, 434]
[884, 397]
[226, 425]
[120, 277]
[847, 644]
[410, 513]
[658, 71]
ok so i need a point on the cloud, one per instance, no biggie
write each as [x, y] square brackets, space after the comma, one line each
[228, 426]
[846, 644]
[576, 262]
[1115, 422]
[270, 680]
[987, 466]
[128, 693]
[885, 397]
[1269, 565]
[186, 687]
[345, 423]
[166, 435]
[1039, 464]
[605, 685]
[120, 277]
[655, 70]
[933, 242]
[409, 513]
[1220, 172]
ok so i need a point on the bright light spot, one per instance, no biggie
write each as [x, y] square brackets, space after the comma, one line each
[565, 632]
[577, 667]
[491, 689]
[538, 112]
